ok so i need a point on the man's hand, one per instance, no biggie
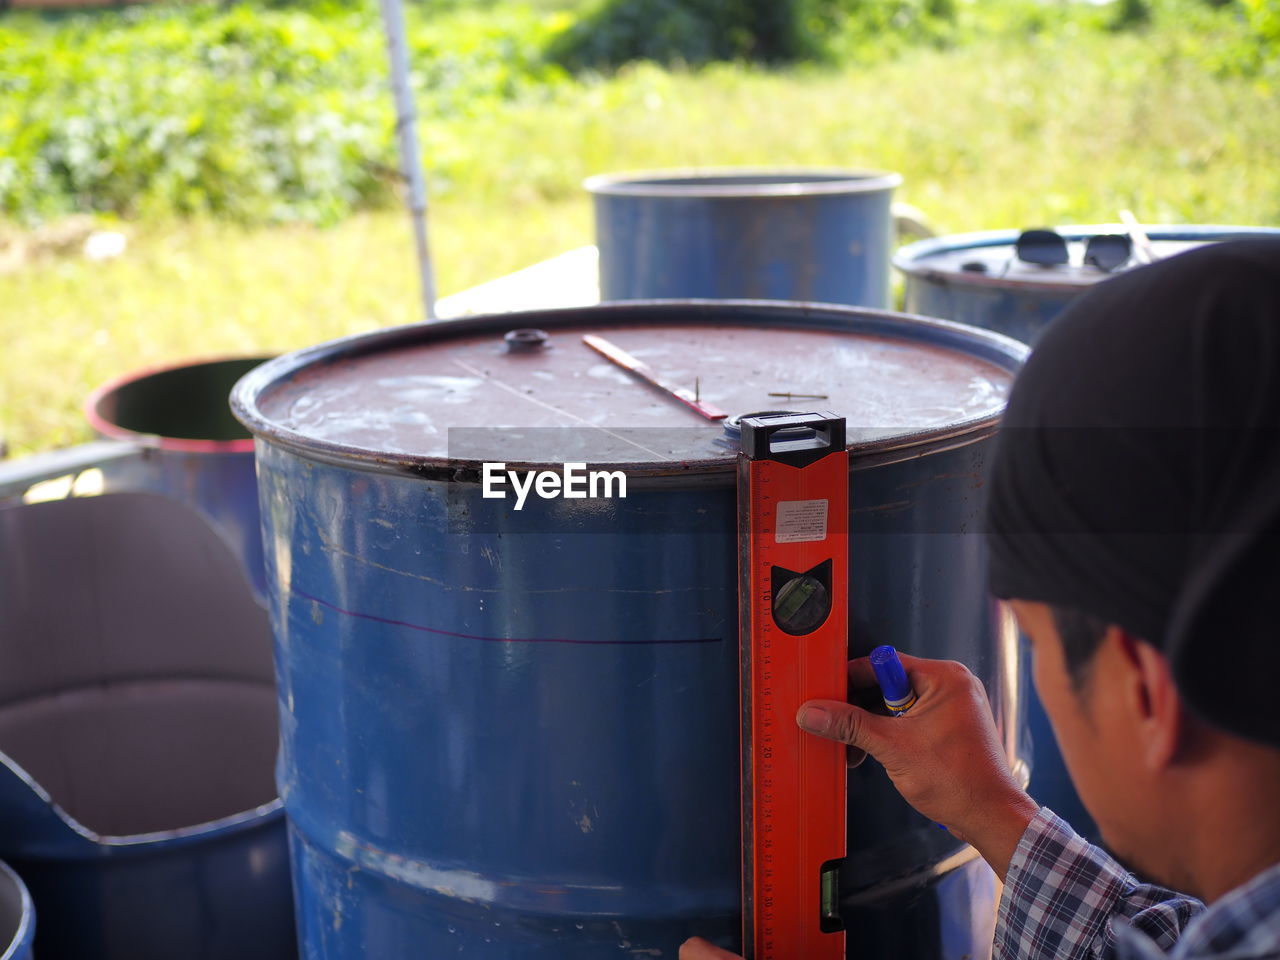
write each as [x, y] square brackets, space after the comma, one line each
[943, 755]
[695, 948]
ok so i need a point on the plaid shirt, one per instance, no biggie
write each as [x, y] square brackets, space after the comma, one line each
[1066, 900]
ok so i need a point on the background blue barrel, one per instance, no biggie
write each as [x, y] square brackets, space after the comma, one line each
[514, 733]
[976, 278]
[17, 917]
[823, 235]
[195, 451]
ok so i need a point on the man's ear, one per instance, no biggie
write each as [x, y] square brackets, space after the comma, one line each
[1153, 702]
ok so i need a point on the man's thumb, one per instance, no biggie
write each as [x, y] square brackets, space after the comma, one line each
[841, 721]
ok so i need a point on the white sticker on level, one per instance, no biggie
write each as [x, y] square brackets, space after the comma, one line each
[800, 521]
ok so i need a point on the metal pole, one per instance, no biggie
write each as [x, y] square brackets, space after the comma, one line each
[407, 132]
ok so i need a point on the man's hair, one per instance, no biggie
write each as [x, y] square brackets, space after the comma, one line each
[1081, 635]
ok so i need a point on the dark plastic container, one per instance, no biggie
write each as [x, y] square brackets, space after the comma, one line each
[138, 736]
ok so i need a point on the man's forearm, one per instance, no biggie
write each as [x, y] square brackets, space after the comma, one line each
[996, 832]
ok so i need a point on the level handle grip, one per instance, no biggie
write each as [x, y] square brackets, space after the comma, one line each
[758, 443]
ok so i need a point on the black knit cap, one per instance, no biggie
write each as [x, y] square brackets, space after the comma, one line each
[1137, 474]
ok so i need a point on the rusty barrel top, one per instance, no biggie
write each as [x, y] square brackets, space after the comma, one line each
[394, 396]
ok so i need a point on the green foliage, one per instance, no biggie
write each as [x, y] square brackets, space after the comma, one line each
[279, 111]
[1225, 37]
[614, 32]
[870, 31]
[1130, 14]
[250, 113]
[665, 31]
[239, 112]
[1261, 52]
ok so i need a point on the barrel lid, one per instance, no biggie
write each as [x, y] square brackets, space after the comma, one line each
[437, 396]
[988, 259]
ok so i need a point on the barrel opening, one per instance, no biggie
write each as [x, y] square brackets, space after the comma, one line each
[745, 182]
[752, 179]
[184, 403]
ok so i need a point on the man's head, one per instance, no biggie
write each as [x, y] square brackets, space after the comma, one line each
[1134, 520]
[1119, 723]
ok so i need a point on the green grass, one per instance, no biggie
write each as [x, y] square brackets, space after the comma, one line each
[1051, 128]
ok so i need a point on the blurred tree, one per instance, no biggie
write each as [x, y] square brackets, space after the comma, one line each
[1130, 14]
[689, 31]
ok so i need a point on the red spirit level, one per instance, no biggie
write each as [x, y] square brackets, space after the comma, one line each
[793, 567]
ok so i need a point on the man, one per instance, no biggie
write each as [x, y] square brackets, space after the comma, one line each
[1134, 526]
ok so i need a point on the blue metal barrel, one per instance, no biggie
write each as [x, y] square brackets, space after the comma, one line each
[820, 235]
[195, 451]
[976, 278]
[514, 733]
[138, 735]
[17, 917]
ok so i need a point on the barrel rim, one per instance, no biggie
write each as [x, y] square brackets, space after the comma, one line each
[1002, 351]
[81, 842]
[113, 431]
[658, 183]
[261, 815]
[912, 259]
[24, 935]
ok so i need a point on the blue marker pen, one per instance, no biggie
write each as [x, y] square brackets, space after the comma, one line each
[894, 685]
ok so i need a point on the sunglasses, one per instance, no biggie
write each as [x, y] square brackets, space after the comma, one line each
[1048, 248]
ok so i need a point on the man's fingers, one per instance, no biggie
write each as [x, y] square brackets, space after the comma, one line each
[695, 948]
[844, 722]
[918, 670]
[860, 673]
